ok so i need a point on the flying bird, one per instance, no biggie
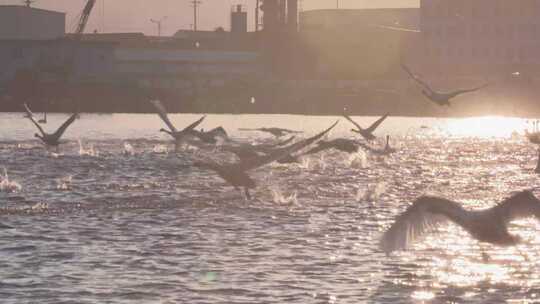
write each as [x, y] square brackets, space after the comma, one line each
[366, 133]
[236, 174]
[177, 135]
[488, 225]
[277, 132]
[340, 144]
[440, 98]
[52, 140]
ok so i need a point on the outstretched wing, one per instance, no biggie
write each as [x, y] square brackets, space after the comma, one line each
[30, 116]
[194, 125]
[282, 152]
[421, 217]
[459, 92]
[285, 142]
[416, 78]
[376, 124]
[65, 125]
[162, 112]
[322, 145]
[521, 205]
[352, 121]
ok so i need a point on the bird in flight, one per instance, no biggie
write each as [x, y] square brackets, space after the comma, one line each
[440, 98]
[236, 174]
[487, 225]
[53, 139]
[177, 135]
[277, 132]
[366, 133]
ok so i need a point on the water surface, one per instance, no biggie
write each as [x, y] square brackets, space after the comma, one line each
[149, 228]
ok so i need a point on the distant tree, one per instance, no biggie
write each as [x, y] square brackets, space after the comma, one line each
[219, 29]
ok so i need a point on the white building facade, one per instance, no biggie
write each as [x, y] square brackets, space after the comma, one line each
[28, 23]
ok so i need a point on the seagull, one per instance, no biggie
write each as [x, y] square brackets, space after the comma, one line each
[53, 139]
[277, 132]
[236, 174]
[340, 144]
[177, 135]
[488, 225]
[387, 149]
[366, 133]
[440, 98]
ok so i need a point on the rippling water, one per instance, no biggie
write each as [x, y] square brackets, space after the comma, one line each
[146, 227]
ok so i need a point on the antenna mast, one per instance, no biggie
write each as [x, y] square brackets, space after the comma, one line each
[195, 4]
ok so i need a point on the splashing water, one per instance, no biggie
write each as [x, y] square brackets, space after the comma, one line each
[87, 152]
[128, 149]
[371, 193]
[64, 183]
[160, 149]
[39, 207]
[8, 186]
[357, 160]
[279, 198]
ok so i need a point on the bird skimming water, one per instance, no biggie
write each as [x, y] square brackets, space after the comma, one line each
[53, 139]
[177, 135]
[366, 133]
[236, 174]
[487, 225]
[277, 132]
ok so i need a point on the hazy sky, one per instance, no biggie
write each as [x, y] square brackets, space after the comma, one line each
[135, 15]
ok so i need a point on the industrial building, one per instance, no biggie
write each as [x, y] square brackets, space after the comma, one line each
[28, 23]
[481, 32]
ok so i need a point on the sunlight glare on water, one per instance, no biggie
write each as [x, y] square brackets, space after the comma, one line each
[488, 126]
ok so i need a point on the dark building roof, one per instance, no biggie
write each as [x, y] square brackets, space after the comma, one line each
[23, 7]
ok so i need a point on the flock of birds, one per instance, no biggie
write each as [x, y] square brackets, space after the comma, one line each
[489, 225]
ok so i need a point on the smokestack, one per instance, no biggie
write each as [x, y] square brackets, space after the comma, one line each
[270, 10]
[292, 15]
[238, 19]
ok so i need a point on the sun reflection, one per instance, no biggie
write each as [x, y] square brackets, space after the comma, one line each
[423, 295]
[488, 126]
[464, 272]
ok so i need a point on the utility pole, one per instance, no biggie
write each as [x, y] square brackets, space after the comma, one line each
[337, 4]
[195, 4]
[158, 22]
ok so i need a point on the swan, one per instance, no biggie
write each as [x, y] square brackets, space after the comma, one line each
[52, 139]
[177, 135]
[487, 225]
[277, 132]
[236, 174]
[366, 133]
[440, 98]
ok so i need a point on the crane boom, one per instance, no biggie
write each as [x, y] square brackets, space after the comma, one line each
[84, 18]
